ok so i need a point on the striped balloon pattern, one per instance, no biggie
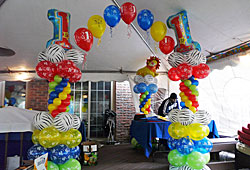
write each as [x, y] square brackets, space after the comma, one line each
[75, 55]
[63, 122]
[187, 168]
[176, 58]
[42, 56]
[42, 120]
[195, 57]
[202, 117]
[55, 53]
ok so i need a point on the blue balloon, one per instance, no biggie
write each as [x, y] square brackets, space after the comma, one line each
[12, 100]
[191, 78]
[141, 106]
[182, 104]
[75, 152]
[59, 88]
[36, 151]
[50, 101]
[147, 97]
[145, 19]
[185, 146]
[195, 82]
[53, 95]
[59, 154]
[136, 89]
[203, 146]
[112, 15]
[143, 103]
[172, 143]
[64, 83]
[142, 87]
[152, 88]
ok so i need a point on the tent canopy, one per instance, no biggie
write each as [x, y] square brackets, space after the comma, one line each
[25, 28]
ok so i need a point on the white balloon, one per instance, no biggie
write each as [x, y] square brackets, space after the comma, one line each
[63, 121]
[42, 120]
[139, 79]
[42, 56]
[176, 58]
[202, 117]
[149, 79]
[55, 53]
[195, 57]
[76, 122]
[185, 117]
[75, 55]
[172, 115]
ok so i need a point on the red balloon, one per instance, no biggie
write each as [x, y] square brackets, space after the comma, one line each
[201, 71]
[68, 97]
[66, 68]
[166, 45]
[65, 103]
[182, 84]
[75, 76]
[195, 104]
[62, 108]
[128, 12]
[184, 71]
[46, 69]
[183, 88]
[188, 92]
[172, 74]
[55, 113]
[84, 38]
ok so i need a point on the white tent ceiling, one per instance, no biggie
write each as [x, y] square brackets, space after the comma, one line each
[24, 27]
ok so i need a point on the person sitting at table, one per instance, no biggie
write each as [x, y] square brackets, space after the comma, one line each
[168, 104]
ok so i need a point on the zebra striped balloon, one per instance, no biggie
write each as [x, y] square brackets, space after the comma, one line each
[202, 117]
[42, 120]
[172, 115]
[171, 167]
[75, 55]
[185, 117]
[55, 53]
[188, 168]
[76, 122]
[176, 58]
[63, 122]
[42, 56]
[195, 57]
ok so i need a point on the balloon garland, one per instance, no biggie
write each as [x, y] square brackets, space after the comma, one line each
[146, 83]
[56, 131]
[188, 143]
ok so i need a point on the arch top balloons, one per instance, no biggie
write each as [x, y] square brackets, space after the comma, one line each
[145, 19]
[128, 12]
[112, 15]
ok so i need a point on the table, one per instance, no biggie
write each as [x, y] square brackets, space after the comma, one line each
[143, 131]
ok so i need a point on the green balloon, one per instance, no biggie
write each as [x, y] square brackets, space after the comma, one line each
[143, 96]
[141, 99]
[52, 166]
[134, 142]
[176, 159]
[146, 92]
[58, 79]
[196, 160]
[206, 157]
[52, 85]
[192, 87]
[195, 92]
[71, 164]
[187, 83]
[67, 109]
[50, 90]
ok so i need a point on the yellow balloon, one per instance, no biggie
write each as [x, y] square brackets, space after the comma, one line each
[176, 130]
[197, 131]
[146, 112]
[193, 109]
[67, 90]
[188, 103]
[35, 136]
[158, 31]
[149, 100]
[97, 25]
[143, 109]
[57, 101]
[182, 94]
[184, 98]
[49, 137]
[52, 107]
[62, 96]
[68, 85]
[146, 106]
[71, 138]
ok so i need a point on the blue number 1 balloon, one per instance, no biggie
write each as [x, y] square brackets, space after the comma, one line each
[60, 22]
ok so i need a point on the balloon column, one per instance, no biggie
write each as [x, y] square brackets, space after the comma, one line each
[188, 131]
[56, 131]
[146, 83]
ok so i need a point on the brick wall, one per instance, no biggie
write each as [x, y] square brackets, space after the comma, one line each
[125, 111]
[37, 95]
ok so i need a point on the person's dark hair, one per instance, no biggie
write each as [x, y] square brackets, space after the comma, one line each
[173, 96]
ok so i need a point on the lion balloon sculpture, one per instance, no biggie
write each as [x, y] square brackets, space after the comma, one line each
[146, 83]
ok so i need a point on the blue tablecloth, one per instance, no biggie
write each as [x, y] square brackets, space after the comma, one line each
[146, 129]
